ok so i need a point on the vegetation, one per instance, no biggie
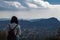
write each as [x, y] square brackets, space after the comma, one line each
[33, 35]
[3, 35]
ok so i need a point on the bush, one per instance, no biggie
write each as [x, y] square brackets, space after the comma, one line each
[3, 35]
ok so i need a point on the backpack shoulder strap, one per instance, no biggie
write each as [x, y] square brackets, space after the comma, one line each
[14, 27]
[9, 26]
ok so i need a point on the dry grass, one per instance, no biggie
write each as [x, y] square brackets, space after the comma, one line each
[31, 37]
[3, 36]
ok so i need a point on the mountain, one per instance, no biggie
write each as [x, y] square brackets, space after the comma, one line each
[51, 22]
[42, 26]
[41, 22]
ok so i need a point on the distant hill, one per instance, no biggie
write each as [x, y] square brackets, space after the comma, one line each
[45, 26]
[51, 22]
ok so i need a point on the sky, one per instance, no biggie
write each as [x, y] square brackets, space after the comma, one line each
[30, 9]
[53, 1]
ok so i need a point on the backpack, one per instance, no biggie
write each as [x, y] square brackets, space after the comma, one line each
[11, 33]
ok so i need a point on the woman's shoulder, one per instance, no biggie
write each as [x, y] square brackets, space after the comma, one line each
[18, 25]
[14, 24]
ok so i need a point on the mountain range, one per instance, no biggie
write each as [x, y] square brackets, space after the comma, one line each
[45, 26]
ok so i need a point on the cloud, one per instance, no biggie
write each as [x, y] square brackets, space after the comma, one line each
[10, 5]
[43, 4]
[25, 4]
[45, 9]
[32, 14]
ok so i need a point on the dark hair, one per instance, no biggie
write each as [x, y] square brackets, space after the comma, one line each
[14, 20]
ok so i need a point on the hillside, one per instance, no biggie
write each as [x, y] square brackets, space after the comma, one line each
[50, 24]
[38, 27]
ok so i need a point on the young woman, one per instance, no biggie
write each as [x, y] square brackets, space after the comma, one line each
[13, 29]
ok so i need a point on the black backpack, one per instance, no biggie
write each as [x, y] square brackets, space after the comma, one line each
[11, 33]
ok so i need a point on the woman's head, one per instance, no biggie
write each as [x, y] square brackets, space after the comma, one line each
[14, 20]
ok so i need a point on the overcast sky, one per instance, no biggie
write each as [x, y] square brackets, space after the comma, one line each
[30, 9]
